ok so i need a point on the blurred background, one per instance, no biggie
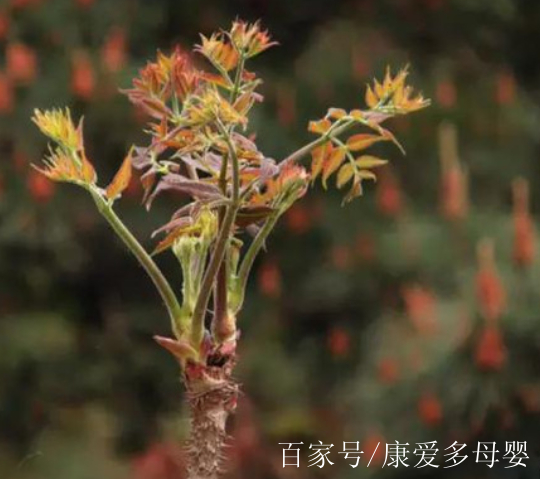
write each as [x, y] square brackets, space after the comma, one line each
[411, 314]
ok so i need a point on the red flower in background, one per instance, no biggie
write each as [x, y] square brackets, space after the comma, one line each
[6, 94]
[374, 446]
[341, 257]
[82, 75]
[4, 24]
[429, 409]
[270, 279]
[84, 3]
[420, 308]
[113, 52]
[446, 93]
[453, 193]
[297, 219]
[505, 90]
[389, 198]
[489, 288]
[21, 4]
[21, 62]
[454, 182]
[524, 235]
[40, 187]
[339, 342]
[490, 351]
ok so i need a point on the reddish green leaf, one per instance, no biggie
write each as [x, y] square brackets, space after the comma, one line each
[332, 163]
[121, 179]
[362, 141]
[368, 161]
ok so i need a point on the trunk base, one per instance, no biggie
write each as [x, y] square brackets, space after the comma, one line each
[212, 395]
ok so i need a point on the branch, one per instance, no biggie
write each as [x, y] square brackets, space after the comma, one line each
[218, 254]
[160, 282]
[252, 252]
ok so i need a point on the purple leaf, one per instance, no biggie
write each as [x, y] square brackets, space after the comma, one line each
[196, 188]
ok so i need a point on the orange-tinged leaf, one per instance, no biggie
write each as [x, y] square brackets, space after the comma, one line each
[121, 179]
[345, 173]
[388, 135]
[385, 134]
[336, 113]
[371, 98]
[321, 126]
[379, 89]
[318, 156]
[357, 115]
[368, 161]
[366, 175]
[332, 163]
[362, 141]
[355, 191]
[88, 172]
[169, 240]
[244, 102]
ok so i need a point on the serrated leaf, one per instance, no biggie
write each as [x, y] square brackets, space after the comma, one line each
[345, 173]
[368, 161]
[332, 163]
[121, 179]
[362, 141]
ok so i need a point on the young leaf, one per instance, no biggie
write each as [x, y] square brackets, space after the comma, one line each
[196, 188]
[332, 163]
[366, 175]
[368, 161]
[371, 98]
[345, 173]
[336, 113]
[180, 349]
[121, 179]
[355, 191]
[318, 156]
[362, 141]
[320, 126]
[87, 171]
[252, 214]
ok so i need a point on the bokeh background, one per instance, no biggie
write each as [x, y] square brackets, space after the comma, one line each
[411, 314]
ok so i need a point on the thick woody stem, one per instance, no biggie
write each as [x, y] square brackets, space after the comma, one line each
[212, 396]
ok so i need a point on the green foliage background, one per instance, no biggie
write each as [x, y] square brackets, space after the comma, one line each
[328, 348]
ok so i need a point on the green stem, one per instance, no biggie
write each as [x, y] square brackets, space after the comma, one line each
[221, 291]
[251, 254]
[238, 79]
[222, 240]
[160, 282]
